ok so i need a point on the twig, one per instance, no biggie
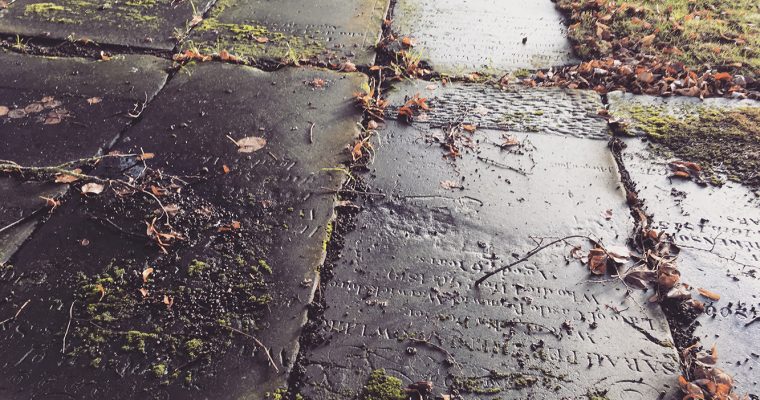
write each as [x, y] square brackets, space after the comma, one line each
[527, 256]
[17, 313]
[266, 351]
[68, 326]
[311, 133]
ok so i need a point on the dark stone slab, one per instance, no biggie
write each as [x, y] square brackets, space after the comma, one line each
[153, 24]
[80, 129]
[485, 35]
[331, 31]
[281, 191]
[718, 231]
[541, 329]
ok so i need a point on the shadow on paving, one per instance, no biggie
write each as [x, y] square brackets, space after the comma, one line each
[181, 337]
[403, 296]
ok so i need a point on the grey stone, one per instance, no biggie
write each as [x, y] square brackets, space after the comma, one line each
[403, 295]
[288, 31]
[718, 232]
[152, 24]
[187, 128]
[464, 36]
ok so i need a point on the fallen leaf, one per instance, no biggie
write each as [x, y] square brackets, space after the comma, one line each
[597, 261]
[51, 202]
[407, 41]
[722, 76]
[469, 128]
[92, 188]
[618, 254]
[510, 141]
[250, 144]
[372, 124]
[84, 242]
[646, 77]
[4, 111]
[17, 113]
[53, 120]
[94, 100]
[66, 178]
[262, 39]
[157, 191]
[225, 169]
[144, 292]
[356, 151]
[105, 56]
[34, 108]
[102, 291]
[576, 252]
[647, 40]
[197, 18]
[348, 66]
[235, 225]
[146, 156]
[169, 301]
[146, 273]
[171, 209]
[450, 185]
[710, 295]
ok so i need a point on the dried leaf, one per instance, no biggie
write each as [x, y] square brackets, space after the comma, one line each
[469, 128]
[250, 144]
[94, 100]
[105, 56]
[647, 40]
[197, 19]
[225, 169]
[102, 291]
[597, 261]
[169, 301]
[146, 273]
[51, 202]
[235, 225]
[34, 108]
[4, 111]
[262, 39]
[710, 295]
[66, 178]
[144, 292]
[16, 114]
[372, 125]
[92, 188]
[407, 41]
[618, 254]
[448, 184]
[145, 156]
[348, 66]
[356, 151]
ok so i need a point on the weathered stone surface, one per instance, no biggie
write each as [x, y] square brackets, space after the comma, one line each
[140, 23]
[285, 182]
[75, 129]
[718, 231]
[541, 329]
[288, 31]
[458, 37]
[516, 108]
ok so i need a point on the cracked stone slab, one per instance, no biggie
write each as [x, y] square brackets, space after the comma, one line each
[540, 329]
[288, 31]
[152, 24]
[718, 232]
[187, 127]
[485, 35]
[65, 127]
[514, 108]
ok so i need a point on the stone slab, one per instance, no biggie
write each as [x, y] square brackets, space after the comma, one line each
[719, 236]
[186, 127]
[457, 36]
[331, 31]
[152, 24]
[541, 329]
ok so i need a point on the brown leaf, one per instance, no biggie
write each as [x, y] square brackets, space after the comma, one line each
[34, 108]
[94, 100]
[407, 41]
[262, 39]
[105, 56]
[509, 141]
[597, 261]
[469, 128]
[197, 18]
[646, 41]
[92, 188]
[646, 77]
[4, 111]
[235, 225]
[102, 291]
[710, 295]
[250, 144]
[618, 254]
[225, 169]
[144, 292]
[51, 202]
[722, 76]
[66, 178]
[356, 151]
[448, 184]
[146, 273]
[145, 156]
[169, 301]
[16, 114]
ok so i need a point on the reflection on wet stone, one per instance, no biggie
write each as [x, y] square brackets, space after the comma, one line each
[403, 296]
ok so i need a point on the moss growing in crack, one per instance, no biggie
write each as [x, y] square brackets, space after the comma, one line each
[159, 370]
[197, 267]
[143, 13]
[194, 347]
[328, 235]
[382, 386]
[42, 9]
[136, 340]
[721, 140]
[265, 266]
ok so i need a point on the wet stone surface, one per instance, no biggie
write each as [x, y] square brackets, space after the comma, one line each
[50, 121]
[516, 108]
[283, 200]
[152, 24]
[403, 297]
[465, 36]
[718, 232]
[290, 31]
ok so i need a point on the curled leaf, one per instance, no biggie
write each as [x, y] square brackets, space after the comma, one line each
[146, 273]
[92, 188]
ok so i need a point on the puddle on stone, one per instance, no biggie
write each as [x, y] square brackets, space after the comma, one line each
[458, 37]
[718, 231]
[403, 296]
[154, 24]
[290, 31]
[283, 199]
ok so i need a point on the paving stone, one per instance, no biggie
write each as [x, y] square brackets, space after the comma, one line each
[152, 24]
[187, 128]
[541, 329]
[465, 36]
[75, 129]
[291, 30]
[718, 230]
[518, 109]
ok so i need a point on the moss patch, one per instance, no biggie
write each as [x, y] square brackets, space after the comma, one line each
[725, 141]
[141, 13]
[382, 386]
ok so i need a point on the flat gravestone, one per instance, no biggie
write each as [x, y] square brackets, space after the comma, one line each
[403, 295]
[718, 231]
[282, 197]
[153, 24]
[289, 31]
[480, 35]
[48, 119]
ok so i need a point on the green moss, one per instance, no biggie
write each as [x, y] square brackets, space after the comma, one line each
[143, 13]
[95, 363]
[521, 73]
[264, 266]
[136, 340]
[382, 386]
[159, 370]
[196, 267]
[194, 347]
[42, 8]
[597, 395]
[328, 235]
